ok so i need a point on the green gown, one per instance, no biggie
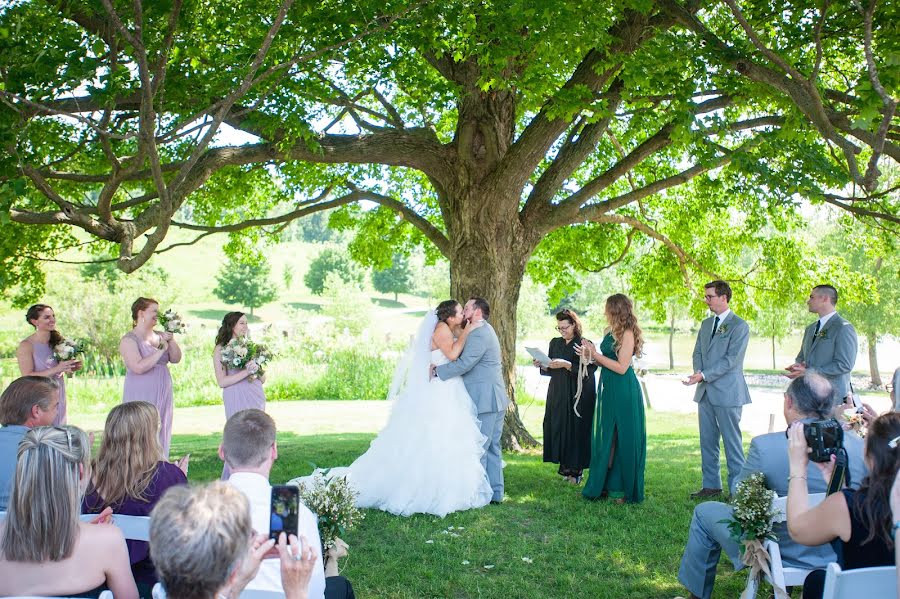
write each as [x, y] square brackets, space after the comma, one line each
[620, 409]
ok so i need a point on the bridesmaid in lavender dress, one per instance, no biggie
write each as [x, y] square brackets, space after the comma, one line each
[35, 353]
[239, 391]
[147, 354]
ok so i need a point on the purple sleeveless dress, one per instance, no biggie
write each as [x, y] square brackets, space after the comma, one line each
[243, 395]
[154, 386]
[43, 358]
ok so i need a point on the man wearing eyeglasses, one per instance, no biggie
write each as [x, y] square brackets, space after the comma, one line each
[721, 389]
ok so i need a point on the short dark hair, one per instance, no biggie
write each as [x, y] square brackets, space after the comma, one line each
[828, 291]
[446, 309]
[247, 437]
[22, 395]
[479, 303]
[812, 394]
[721, 288]
[572, 317]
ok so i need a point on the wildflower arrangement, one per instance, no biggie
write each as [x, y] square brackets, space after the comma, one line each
[333, 500]
[67, 349]
[242, 352]
[855, 422]
[753, 512]
[171, 321]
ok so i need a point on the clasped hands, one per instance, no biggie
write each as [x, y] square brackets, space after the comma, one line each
[795, 370]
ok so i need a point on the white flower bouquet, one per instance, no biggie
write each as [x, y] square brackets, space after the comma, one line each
[242, 352]
[753, 511]
[855, 422]
[171, 321]
[333, 500]
[67, 349]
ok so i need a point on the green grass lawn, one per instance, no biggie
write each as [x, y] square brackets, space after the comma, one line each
[577, 548]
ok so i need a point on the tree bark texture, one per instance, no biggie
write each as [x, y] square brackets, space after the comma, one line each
[872, 341]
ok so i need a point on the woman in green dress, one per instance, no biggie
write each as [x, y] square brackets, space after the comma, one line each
[619, 447]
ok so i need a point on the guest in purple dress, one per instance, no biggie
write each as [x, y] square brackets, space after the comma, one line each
[239, 391]
[129, 475]
[146, 354]
[35, 353]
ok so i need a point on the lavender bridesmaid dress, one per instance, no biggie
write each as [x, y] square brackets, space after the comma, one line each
[154, 386]
[243, 395]
[42, 354]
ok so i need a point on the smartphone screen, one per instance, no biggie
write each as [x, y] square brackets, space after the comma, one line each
[284, 510]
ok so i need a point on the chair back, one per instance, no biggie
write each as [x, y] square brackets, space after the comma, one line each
[862, 582]
[134, 528]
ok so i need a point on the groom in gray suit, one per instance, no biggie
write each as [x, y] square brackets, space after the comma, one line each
[829, 344]
[721, 388]
[481, 368]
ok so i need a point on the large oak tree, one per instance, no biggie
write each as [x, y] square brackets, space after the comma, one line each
[486, 130]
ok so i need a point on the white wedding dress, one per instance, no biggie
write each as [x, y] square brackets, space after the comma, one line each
[427, 458]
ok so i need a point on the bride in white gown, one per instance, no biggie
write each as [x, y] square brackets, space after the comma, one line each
[427, 458]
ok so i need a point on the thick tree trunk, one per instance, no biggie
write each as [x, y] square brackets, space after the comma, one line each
[492, 267]
[872, 340]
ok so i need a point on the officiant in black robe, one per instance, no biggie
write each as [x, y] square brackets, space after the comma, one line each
[567, 424]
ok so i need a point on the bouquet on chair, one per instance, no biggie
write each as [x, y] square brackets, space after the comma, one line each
[751, 525]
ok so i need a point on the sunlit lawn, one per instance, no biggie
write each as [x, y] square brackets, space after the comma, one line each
[576, 548]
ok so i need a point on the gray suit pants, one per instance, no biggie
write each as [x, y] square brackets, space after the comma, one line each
[706, 538]
[491, 425]
[715, 422]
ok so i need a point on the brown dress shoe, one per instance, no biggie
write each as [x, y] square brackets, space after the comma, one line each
[706, 492]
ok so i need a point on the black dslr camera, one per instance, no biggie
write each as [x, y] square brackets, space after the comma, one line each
[825, 439]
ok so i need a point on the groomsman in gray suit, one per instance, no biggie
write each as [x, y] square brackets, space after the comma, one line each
[482, 370]
[721, 388]
[807, 398]
[829, 344]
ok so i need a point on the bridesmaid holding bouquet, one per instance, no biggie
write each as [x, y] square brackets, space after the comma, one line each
[147, 354]
[241, 390]
[35, 353]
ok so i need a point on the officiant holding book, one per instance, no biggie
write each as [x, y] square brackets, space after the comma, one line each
[568, 416]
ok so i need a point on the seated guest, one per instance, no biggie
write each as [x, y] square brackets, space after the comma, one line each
[28, 402]
[249, 449]
[44, 548]
[202, 544]
[895, 514]
[129, 475]
[808, 398]
[856, 521]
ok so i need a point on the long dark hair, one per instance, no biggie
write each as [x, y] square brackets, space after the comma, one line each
[33, 313]
[226, 331]
[446, 309]
[884, 461]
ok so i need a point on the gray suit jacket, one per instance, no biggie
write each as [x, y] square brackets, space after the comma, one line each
[481, 368]
[721, 360]
[768, 454]
[832, 353]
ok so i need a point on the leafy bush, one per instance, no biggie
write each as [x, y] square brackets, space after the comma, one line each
[331, 261]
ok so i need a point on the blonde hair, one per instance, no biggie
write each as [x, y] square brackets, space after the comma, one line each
[45, 502]
[621, 319]
[129, 452]
[198, 536]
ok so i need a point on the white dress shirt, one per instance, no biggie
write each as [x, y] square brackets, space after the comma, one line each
[824, 319]
[258, 490]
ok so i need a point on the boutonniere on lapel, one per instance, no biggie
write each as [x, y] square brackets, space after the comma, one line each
[723, 328]
[823, 334]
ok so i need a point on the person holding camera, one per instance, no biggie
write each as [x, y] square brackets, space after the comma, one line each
[859, 519]
[829, 344]
[806, 400]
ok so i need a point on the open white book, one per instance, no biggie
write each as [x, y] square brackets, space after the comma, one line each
[544, 359]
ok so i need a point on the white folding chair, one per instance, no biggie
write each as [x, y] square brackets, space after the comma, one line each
[781, 576]
[878, 582]
[134, 528]
[251, 594]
